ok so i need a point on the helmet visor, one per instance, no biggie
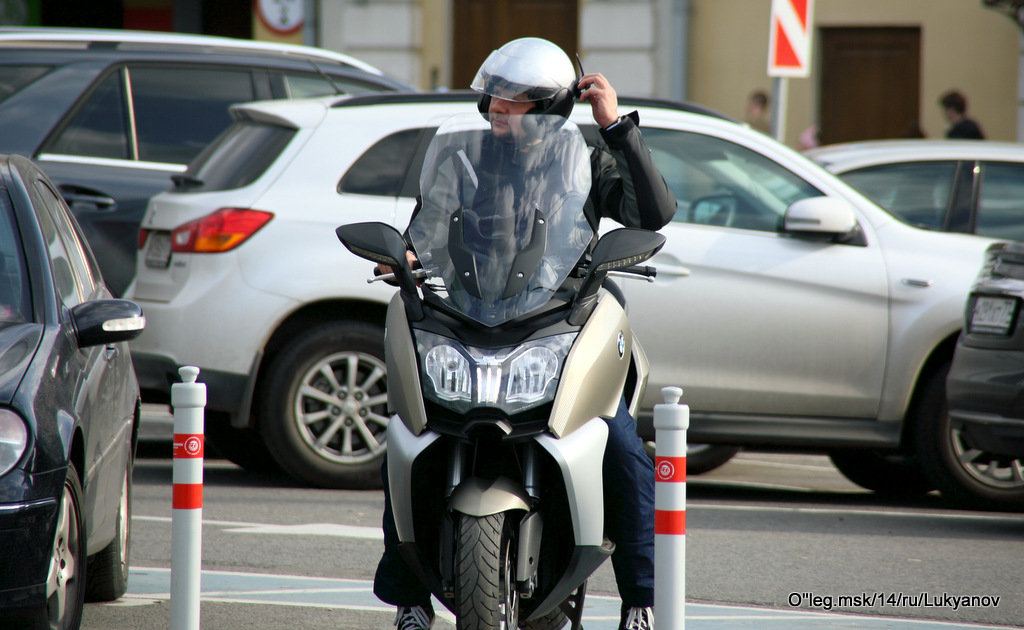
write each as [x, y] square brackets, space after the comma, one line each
[514, 79]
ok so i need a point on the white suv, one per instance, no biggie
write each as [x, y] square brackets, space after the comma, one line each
[791, 329]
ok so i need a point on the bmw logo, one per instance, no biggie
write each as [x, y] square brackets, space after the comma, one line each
[622, 345]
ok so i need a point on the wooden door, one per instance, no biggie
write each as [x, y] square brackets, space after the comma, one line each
[870, 83]
[480, 26]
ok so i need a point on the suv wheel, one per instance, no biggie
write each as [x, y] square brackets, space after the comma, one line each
[963, 474]
[324, 406]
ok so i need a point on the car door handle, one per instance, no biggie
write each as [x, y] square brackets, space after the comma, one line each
[78, 197]
[672, 270]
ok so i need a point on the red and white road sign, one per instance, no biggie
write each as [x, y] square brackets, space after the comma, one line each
[789, 40]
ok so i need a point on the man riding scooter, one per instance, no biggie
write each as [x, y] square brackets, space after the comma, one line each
[534, 76]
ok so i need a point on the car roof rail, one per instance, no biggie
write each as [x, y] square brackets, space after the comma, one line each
[111, 38]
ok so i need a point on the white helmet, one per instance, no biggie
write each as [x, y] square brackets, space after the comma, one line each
[530, 68]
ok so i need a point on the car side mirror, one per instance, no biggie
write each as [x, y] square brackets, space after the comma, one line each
[102, 322]
[820, 215]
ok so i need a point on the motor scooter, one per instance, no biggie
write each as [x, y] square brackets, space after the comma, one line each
[504, 354]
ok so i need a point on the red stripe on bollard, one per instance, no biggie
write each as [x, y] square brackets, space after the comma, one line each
[188, 445]
[187, 496]
[670, 469]
[670, 522]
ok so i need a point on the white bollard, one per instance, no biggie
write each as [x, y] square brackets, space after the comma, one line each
[671, 420]
[188, 399]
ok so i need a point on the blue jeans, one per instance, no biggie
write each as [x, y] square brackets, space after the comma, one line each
[629, 523]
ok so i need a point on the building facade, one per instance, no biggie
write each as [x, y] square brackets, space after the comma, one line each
[878, 67]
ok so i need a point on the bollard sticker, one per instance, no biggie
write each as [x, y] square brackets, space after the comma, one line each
[187, 496]
[670, 522]
[670, 469]
[188, 445]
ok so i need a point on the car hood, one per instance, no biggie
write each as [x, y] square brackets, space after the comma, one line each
[18, 344]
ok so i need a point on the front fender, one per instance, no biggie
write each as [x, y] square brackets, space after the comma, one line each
[479, 497]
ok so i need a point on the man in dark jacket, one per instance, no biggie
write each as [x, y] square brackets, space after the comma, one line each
[954, 106]
[534, 76]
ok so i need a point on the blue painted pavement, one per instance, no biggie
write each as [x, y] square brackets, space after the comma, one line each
[601, 612]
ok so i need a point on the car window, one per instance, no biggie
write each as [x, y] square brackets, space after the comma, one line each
[13, 78]
[1001, 201]
[83, 267]
[382, 169]
[302, 85]
[237, 158]
[68, 291]
[178, 111]
[99, 126]
[15, 296]
[717, 182]
[916, 192]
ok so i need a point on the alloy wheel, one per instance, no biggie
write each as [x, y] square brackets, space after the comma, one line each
[341, 407]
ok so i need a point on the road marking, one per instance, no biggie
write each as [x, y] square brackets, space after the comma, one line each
[313, 529]
[1011, 518]
[754, 461]
[304, 529]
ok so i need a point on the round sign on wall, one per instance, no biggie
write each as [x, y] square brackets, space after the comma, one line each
[281, 16]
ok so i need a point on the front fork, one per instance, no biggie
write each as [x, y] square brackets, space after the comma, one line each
[530, 526]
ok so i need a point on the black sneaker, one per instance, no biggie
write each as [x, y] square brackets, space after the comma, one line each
[637, 619]
[414, 618]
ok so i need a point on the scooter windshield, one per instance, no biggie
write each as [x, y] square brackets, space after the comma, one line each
[501, 221]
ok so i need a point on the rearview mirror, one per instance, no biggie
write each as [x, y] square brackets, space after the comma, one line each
[625, 247]
[101, 322]
[375, 241]
[820, 215]
[617, 249]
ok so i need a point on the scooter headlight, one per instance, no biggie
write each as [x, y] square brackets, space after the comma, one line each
[530, 373]
[448, 371]
[511, 379]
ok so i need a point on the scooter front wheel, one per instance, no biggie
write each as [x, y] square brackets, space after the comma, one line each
[485, 564]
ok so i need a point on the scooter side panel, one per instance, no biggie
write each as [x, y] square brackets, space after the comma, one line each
[579, 456]
[643, 368]
[403, 449]
[404, 396]
[595, 370]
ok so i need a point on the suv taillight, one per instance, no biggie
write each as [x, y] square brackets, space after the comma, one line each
[219, 231]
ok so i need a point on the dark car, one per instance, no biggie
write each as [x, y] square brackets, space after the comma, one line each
[69, 411]
[112, 115]
[985, 386]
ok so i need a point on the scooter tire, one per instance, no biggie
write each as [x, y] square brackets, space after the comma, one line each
[485, 593]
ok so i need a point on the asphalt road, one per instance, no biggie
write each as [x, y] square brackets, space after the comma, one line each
[783, 533]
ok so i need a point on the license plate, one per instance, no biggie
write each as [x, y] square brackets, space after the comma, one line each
[993, 315]
[158, 254]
